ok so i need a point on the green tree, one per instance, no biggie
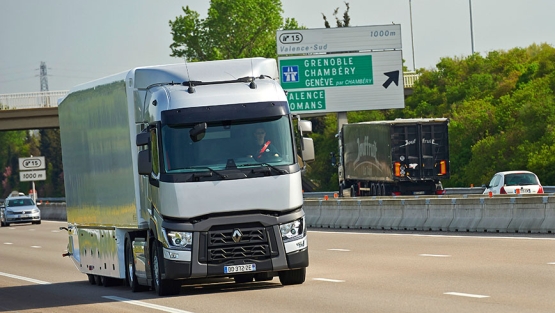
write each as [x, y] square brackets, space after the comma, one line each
[232, 29]
[501, 106]
[338, 22]
[51, 149]
[15, 145]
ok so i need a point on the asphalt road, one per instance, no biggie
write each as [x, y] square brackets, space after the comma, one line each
[348, 272]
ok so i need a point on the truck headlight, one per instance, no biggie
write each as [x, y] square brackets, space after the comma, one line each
[293, 230]
[179, 239]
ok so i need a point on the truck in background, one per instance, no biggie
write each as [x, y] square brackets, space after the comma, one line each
[162, 184]
[397, 157]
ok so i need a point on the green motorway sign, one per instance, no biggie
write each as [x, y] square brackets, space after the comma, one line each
[307, 100]
[324, 72]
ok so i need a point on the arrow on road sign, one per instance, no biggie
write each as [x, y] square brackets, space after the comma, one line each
[393, 77]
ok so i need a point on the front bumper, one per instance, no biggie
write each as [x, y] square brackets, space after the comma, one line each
[22, 218]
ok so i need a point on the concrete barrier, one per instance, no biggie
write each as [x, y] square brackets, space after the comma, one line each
[329, 213]
[392, 213]
[370, 214]
[414, 215]
[441, 213]
[312, 212]
[496, 215]
[468, 213]
[548, 224]
[523, 214]
[528, 215]
[53, 211]
[349, 214]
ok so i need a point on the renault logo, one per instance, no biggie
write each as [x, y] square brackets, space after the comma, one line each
[236, 235]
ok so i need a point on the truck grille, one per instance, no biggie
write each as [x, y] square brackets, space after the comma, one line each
[237, 243]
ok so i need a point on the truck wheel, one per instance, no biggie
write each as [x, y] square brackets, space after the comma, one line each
[163, 287]
[92, 281]
[97, 280]
[292, 277]
[383, 190]
[130, 277]
[353, 193]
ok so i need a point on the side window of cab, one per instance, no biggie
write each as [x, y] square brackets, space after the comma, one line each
[154, 152]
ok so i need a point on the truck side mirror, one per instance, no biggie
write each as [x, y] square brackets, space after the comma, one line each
[308, 149]
[305, 126]
[144, 162]
[142, 139]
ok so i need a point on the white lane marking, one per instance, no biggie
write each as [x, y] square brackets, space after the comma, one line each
[423, 235]
[551, 263]
[8, 243]
[37, 247]
[460, 294]
[342, 250]
[436, 255]
[36, 281]
[146, 305]
[329, 280]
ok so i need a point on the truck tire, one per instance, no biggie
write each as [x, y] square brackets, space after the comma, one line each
[92, 281]
[130, 277]
[163, 287]
[352, 191]
[292, 277]
[97, 280]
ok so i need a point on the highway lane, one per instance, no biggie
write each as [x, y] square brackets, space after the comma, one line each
[350, 271]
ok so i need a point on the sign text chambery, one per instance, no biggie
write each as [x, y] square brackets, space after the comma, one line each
[317, 72]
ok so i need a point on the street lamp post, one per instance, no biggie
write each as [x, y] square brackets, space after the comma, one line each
[471, 31]
[411, 36]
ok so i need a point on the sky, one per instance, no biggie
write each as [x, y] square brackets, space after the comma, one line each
[80, 41]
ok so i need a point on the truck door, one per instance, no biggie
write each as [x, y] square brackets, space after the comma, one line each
[424, 147]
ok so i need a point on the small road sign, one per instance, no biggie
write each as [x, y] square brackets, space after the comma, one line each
[32, 175]
[32, 163]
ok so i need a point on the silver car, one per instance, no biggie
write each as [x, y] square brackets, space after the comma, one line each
[19, 209]
[514, 182]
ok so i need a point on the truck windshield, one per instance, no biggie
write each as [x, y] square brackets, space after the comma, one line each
[226, 144]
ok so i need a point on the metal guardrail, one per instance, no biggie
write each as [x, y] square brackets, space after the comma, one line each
[31, 100]
[409, 78]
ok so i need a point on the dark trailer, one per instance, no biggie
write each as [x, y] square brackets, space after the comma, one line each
[397, 157]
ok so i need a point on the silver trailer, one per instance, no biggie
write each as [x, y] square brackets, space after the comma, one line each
[164, 180]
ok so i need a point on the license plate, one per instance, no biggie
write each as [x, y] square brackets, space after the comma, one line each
[418, 192]
[239, 268]
[23, 215]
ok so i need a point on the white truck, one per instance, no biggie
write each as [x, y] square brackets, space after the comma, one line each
[163, 186]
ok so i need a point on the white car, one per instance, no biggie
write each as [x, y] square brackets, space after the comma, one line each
[19, 209]
[514, 182]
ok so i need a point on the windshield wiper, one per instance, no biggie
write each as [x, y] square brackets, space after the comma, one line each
[204, 175]
[267, 166]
